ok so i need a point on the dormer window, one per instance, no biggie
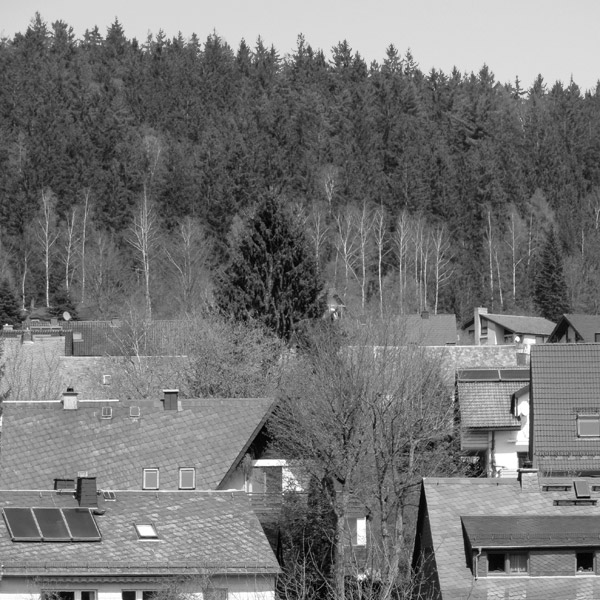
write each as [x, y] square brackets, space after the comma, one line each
[588, 425]
[508, 563]
[187, 478]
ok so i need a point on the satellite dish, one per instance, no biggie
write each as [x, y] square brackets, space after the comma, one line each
[517, 339]
[66, 316]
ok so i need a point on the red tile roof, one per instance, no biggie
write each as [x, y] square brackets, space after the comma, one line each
[199, 533]
[42, 441]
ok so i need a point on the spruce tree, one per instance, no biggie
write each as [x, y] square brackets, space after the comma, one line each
[550, 291]
[271, 276]
[9, 307]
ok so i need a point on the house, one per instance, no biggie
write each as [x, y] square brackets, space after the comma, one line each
[167, 444]
[576, 329]
[89, 544]
[565, 409]
[491, 329]
[494, 418]
[505, 538]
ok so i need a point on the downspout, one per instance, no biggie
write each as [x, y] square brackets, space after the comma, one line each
[476, 570]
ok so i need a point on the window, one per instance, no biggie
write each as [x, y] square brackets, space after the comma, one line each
[72, 595]
[106, 412]
[508, 563]
[150, 480]
[135, 412]
[187, 479]
[146, 531]
[588, 425]
[585, 562]
[128, 595]
[106, 379]
[358, 531]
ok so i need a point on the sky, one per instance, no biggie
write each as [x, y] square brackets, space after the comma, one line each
[514, 38]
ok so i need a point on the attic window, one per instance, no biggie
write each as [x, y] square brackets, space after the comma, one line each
[146, 531]
[135, 412]
[588, 425]
[187, 478]
[585, 562]
[577, 502]
[106, 412]
[150, 479]
[106, 379]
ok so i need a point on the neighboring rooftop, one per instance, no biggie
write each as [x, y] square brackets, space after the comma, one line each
[565, 388]
[583, 328]
[41, 441]
[198, 534]
[452, 509]
[485, 397]
[518, 323]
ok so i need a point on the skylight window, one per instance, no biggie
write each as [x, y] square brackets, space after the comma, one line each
[146, 531]
[150, 479]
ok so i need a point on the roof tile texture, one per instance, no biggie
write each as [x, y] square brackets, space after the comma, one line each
[565, 381]
[450, 499]
[214, 532]
[42, 441]
[487, 404]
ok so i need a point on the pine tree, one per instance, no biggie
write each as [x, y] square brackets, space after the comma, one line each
[550, 293]
[271, 276]
[9, 306]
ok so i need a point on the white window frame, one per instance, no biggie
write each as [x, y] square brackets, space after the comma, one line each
[146, 473]
[589, 418]
[184, 470]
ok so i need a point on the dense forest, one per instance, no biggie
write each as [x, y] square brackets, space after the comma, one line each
[127, 166]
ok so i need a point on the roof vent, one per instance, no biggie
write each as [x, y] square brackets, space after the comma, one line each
[109, 495]
[107, 412]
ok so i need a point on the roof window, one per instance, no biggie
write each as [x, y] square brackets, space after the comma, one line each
[146, 531]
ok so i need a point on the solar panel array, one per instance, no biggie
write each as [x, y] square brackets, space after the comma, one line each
[51, 525]
[493, 375]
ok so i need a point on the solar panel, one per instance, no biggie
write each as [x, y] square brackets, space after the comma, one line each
[52, 525]
[21, 525]
[478, 375]
[81, 524]
[582, 489]
[514, 374]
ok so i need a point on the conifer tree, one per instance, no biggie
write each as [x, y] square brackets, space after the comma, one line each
[550, 293]
[272, 276]
[9, 306]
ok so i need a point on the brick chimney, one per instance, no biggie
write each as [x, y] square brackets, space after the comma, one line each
[86, 492]
[528, 478]
[170, 399]
[69, 399]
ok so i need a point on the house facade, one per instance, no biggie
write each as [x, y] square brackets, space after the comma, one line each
[494, 418]
[507, 538]
[497, 329]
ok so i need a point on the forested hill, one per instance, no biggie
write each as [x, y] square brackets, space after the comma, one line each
[455, 178]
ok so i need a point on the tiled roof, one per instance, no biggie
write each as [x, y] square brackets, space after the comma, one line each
[447, 500]
[41, 441]
[199, 533]
[587, 326]
[434, 330]
[518, 531]
[487, 404]
[521, 324]
[565, 380]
